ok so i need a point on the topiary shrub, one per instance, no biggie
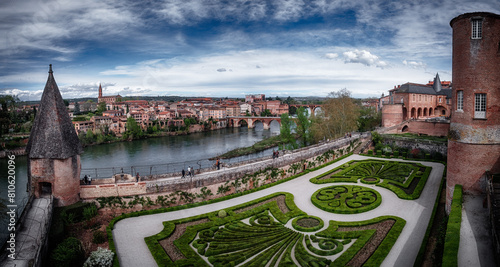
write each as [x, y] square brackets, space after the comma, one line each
[99, 237]
[370, 152]
[68, 253]
[100, 258]
[379, 152]
[396, 153]
[222, 213]
[404, 154]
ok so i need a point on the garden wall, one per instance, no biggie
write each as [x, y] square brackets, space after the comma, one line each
[421, 144]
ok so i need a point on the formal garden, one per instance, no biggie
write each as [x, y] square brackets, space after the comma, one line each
[273, 231]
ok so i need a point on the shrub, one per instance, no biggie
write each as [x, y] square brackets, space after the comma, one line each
[396, 153]
[370, 152]
[222, 213]
[379, 152]
[68, 253]
[427, 156]
[89, 212]
[452, 239]
[404, 154]
[387, 154]
[100, 258]
[99, 237]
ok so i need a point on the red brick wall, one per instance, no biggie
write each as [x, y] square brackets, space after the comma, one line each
[428, 128]
[392, 115]
[62, 174]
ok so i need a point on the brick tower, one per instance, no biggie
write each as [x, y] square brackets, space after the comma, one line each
[474, 138]
[54, 150]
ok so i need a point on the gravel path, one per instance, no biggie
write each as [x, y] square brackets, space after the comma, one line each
[129, 233]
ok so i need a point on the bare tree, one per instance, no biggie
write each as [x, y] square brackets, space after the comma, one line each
[339, 115]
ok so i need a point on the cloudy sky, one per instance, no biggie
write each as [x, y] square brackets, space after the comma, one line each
[226, 47]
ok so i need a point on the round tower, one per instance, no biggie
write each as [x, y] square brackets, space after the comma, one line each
[54, 150]
[474, 137]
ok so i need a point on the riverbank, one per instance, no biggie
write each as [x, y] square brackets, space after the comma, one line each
[267, 143]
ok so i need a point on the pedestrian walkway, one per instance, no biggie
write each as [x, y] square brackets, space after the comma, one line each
[132, 250]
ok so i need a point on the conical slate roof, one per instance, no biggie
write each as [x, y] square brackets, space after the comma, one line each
[53, 135]
[437, 84]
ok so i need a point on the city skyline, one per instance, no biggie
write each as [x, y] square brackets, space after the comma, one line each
[226, 48]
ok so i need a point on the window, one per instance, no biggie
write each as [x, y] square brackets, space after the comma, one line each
[414, 99]
[440, 99]
[480, 106]
[460, 100]
[477, 28]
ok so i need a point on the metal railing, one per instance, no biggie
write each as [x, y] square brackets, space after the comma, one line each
[147, 172]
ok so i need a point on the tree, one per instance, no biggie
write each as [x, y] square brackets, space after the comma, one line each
[339, 115]
[6, 102]
[368, 119]
[101, 107]
[266, 113]
[77, 108]
[303, 126]
[286, 130]
[134, 130]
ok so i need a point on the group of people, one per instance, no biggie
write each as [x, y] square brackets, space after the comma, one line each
[276, 154]
[190, 172]
[87, 179]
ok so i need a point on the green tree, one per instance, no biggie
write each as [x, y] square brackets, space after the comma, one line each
[303, 126]
[7, 103]
[286, 131]
[266, 113]
[77, 108]
[368, 119]
[134, 130]
[101, 107]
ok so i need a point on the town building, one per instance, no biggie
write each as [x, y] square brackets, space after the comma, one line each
[416, 101]
[474, 137]
[107, 99]
[255, 98]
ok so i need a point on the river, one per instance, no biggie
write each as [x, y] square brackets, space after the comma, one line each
[171, 152]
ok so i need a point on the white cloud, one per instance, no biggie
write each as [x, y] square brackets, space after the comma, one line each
[364, 57]
[331, 55]
[414, 64]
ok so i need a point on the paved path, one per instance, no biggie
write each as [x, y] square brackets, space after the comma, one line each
[129, 233]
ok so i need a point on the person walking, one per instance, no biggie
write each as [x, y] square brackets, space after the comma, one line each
[85, 179]
[218, 164]
[90, 180]
[183, 173]
[137, 177]
[189, 171]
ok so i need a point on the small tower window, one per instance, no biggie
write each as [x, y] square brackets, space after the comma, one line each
[477, 28]
[460, 100]
[480, 106]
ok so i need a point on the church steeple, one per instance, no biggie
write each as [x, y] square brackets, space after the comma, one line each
[100, 91]
[437, 83]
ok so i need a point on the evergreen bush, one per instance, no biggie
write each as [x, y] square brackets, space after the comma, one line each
[69, 253]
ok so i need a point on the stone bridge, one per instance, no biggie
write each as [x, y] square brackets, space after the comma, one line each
[252, 121]
[312, 107]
